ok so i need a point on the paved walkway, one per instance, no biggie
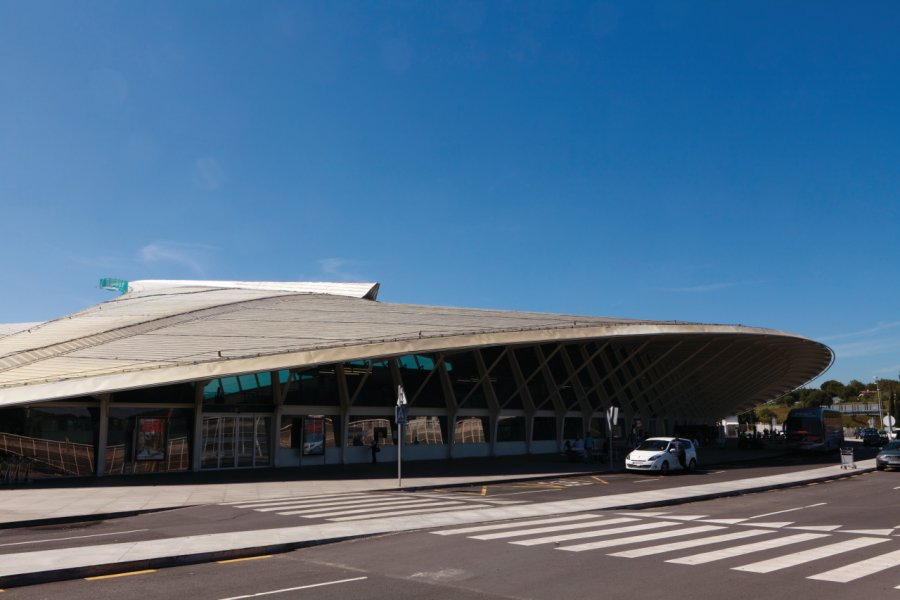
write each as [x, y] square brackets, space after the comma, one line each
[51, 501]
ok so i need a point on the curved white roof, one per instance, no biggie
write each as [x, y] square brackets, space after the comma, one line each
[155, 334]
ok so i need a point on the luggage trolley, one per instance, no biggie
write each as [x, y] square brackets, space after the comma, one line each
[847, 458]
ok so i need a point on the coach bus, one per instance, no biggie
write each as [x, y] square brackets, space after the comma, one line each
[814, 429]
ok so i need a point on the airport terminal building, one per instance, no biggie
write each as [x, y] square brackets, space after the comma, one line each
[202, 375]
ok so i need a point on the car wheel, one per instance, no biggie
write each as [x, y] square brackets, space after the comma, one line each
[692, 466]
[664, 468]
[879, 467]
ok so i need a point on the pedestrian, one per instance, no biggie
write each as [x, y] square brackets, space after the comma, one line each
[680, 452]
[588, 447]
[373, 446]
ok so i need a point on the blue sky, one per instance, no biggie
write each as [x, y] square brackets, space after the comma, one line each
[722, 162]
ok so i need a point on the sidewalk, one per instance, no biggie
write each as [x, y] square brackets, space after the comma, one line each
[94, 498]
[55, 502]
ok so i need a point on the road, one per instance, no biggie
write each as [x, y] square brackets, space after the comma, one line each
[829, 539]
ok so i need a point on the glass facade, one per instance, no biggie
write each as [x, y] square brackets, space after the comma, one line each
[472, 430]
[50, 441]
[544, 429]
[299, 431]
[134, 434]
[425, 430]
[510, 429]
[334, 406]
[361, 430]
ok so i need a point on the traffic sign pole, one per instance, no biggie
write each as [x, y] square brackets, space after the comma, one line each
[400, 418]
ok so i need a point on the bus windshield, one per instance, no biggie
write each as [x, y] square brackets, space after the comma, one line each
[803, 425]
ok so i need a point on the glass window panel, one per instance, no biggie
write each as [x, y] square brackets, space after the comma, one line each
[544, 429]
[472, 430]
[291, 430]
[314, 387]
[423, 386]
[178, 424]
[45, 442]
[371, 387]
[572, 428]
[510, 429]
[464, 377]
[425, 430]
[362, 429]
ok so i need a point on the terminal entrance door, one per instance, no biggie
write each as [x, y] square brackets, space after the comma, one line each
[233, 441]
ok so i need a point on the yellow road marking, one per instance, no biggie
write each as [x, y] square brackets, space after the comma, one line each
[231, 560]
[128, 574]
[603, 481]
[539, 485]
[484, 490]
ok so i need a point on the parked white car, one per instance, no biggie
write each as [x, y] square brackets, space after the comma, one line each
[663, 454]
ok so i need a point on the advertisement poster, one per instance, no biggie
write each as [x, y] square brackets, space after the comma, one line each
[313, 436]
[150, 439]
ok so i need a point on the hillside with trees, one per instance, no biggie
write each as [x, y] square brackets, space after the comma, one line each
[830, 393]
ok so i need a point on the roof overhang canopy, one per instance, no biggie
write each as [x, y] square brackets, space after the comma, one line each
[157, 334]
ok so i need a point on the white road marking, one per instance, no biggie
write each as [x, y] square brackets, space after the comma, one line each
[639, 538]
[686, 517]
[478, 528]
[778, 512]
[646, 480]
[551, 528]
[869, 531]
[860, 569]
[304, 497]
[706, 557]
[383, 507]
[528, 492]
[74, 537]
[798, 558]
[593, 533]
[301, 587]
[724, 521]
[399, 513]
[772, 525]
[319, 504]
[727, 537]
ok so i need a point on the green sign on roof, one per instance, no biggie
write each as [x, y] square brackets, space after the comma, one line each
[114, 285]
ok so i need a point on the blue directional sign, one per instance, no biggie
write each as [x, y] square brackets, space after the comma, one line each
[400, 414]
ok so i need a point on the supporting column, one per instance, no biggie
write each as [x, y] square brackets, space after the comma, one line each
[344, 398]
[197, 447]
[103, 435]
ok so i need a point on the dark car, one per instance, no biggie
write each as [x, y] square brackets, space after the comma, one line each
[889, 457]
[873, 437]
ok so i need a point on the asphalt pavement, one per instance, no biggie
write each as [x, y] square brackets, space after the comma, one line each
[49, 502]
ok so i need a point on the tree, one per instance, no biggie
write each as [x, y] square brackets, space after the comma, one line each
[852, 389]
[766, 414]
[834, 388]
[812, 398]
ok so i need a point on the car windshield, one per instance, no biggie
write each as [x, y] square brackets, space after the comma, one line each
[653, 445]
[895, 445]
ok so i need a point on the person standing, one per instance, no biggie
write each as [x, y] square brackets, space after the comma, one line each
[373, 446]
[588, 447]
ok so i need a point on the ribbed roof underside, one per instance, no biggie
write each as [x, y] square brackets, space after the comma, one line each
[162, 335]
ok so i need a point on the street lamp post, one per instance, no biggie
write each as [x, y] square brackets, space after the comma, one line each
[881, 406]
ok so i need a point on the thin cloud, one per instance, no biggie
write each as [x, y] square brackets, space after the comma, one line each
[708, 287]
[208, 173]
[866, 348]
[336, 268]
[863, 332]
[190, 256]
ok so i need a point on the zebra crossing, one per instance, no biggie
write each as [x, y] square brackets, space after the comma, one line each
[357, 506]
[684, 539]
